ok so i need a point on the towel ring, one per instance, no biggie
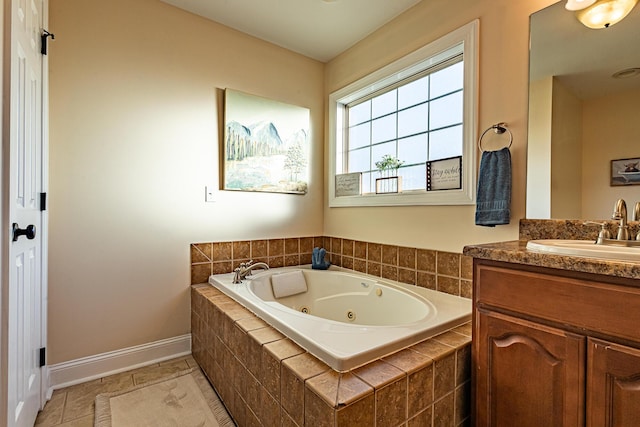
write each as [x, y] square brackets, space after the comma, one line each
[498, 128]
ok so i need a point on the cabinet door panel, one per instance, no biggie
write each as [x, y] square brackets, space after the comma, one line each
[613, 393]
[527, 374]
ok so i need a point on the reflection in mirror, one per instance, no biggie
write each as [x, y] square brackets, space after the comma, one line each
[581, 117]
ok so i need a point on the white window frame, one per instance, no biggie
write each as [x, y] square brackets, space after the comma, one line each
[467, 38]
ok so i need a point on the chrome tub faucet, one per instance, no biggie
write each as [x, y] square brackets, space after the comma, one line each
[620, 213]
[244, 270]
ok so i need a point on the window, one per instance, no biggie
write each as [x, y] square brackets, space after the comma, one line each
[418, 109]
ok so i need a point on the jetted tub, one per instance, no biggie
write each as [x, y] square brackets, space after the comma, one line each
[345, 318]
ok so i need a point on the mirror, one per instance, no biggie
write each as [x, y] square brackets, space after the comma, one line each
[580, 117]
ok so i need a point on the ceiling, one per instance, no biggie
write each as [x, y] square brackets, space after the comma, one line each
[319, 29]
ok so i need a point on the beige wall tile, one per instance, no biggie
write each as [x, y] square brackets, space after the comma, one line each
[360, 249]
[407, 257]
[390, 255]
[275, 247]
[426, 260]
[200, 273]
[374, 252]
[448, 263]
[391, 403]
[259, 249]
[201, 252]
[222, 251]
[444, 376]
[291, 246]
[443, 411]
[360, 413]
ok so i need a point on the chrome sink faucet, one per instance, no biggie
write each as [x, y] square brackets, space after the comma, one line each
[620, 213]
[244, 270]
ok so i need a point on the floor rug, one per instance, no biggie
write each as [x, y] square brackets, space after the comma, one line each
[185, 399]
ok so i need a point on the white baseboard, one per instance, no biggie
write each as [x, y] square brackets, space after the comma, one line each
[101, 365]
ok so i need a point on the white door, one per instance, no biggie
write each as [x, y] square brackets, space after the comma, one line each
[25, 185]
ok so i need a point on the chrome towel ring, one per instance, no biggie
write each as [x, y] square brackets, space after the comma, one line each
[498, 128]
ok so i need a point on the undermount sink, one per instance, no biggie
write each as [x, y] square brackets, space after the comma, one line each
[585, 248]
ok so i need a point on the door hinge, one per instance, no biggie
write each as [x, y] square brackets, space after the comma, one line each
[43, 38]
[43, 201]
[43, 356]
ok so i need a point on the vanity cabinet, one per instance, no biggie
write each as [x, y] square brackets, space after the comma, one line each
[554, 348]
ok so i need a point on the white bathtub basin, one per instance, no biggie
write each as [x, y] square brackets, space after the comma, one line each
[585, 248]
[387, 315]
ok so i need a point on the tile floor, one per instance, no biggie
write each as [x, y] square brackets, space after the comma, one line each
[74, 406]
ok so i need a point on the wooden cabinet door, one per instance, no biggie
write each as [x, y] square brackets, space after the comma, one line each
[613, 385]
[527, 374]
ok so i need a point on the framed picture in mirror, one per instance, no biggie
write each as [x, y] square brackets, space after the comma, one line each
[625, 171]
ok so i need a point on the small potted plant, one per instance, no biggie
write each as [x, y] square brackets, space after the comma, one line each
[389, 181]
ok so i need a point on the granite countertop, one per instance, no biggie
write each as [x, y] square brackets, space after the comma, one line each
[516, 252]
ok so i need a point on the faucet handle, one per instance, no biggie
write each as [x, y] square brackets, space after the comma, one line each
[604, 231]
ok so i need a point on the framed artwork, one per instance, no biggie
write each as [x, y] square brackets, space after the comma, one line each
[444, 174]
[625, 171]
[266, 145]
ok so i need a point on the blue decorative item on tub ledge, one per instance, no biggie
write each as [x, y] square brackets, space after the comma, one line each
[317, 259]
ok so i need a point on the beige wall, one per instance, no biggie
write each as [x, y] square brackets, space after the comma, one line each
[539, 178]
[503, 76]
[136, 98]
[135, 102]
[608, 137]
[566, 153]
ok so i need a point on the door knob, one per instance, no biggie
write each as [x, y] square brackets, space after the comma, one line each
[30, 231]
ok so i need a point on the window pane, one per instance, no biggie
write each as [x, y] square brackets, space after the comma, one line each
[359, 160]
[445, 143]
[384, 104]
[413, 120]
[446, 111]
[360, 135]
[413, 93]
[447, 80]
[366, 183]
[413, 149]
[383, 129]
[360, 113]
[414, 177]
[377, 151]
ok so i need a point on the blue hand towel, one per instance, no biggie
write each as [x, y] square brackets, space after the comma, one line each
[317, 259]
[493, 202]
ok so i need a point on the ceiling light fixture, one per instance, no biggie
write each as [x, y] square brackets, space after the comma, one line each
[574, 5]
[601, 13]
[625, 74]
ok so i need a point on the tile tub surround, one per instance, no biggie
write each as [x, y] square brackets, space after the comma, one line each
[443, 271]
[265, 379]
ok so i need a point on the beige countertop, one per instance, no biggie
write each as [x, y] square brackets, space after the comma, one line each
[516, 252]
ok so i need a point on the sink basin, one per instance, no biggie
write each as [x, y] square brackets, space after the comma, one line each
[585, 248]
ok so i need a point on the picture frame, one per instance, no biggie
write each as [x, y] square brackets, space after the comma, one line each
[625, 172]
[266, 145]
[348, 184]
[444, 174]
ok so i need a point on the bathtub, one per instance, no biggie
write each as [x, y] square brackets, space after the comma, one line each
[345, 318]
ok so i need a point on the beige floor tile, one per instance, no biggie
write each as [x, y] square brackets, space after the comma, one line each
[74, 406]
[80, 422]
[154, 372]
[51, 415]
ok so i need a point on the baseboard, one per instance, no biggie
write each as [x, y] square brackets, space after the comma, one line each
[101, 365]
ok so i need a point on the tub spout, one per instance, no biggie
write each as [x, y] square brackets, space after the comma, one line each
[245, 268]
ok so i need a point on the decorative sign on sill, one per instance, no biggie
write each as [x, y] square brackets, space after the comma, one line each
[348, 184]
[444, 174]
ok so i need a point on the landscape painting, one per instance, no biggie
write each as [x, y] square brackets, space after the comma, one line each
[266, 145]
